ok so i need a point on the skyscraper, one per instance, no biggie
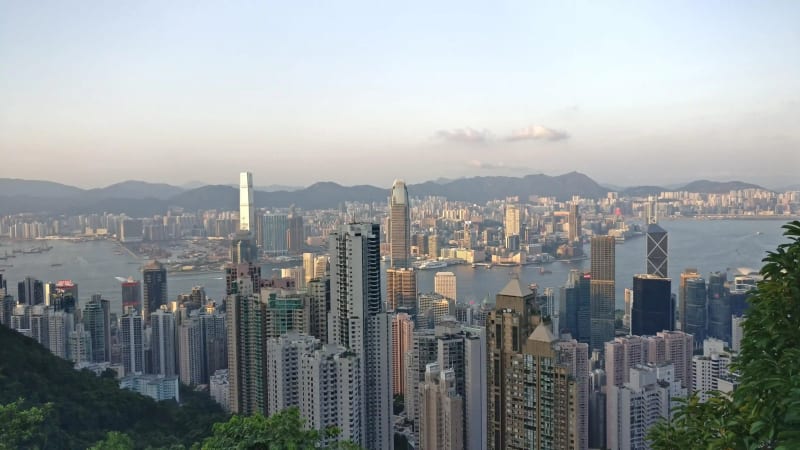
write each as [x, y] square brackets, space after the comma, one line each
[246, 204]
[441, 411]
[719, 307]
[652, 310]
[30, 291]
[401, 288]
[132, 343]
[276, 229]
[444, 284]
[245, 313]
[358, 322]
[163, 347]
[155, 288]
[97, 322]
[576, 307]
[574, 223]
[687, 274]
[513, 221]
[399, 226]
[295, 235]
[602, 286]
[131, 294]
[657, 251]
[695, 308]
[319, 291]
[402, 340]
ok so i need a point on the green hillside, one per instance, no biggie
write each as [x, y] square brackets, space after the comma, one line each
[86, 407]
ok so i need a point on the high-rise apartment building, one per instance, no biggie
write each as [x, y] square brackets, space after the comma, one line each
[653, 309]
[512, 223]
[132, 343]
[163, 347]
[97, 322]
[319, 292]
[602, 287]
[444, 284]
[59, 325]
[245, 314]
[359, 322]
[285, 311]
[639, 404]
[401, 288]
[283, 368]
[737, 332]
[657, 251]
[399, 232]
[424, 348]
[154, 275]
[402, 341]
[80, 345]
[441, 411]
[534, 397]
[709, 367]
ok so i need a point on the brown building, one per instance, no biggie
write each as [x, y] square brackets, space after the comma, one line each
[401, 288]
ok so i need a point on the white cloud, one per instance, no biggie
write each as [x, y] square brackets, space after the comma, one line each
[537, 132]
[465, 135]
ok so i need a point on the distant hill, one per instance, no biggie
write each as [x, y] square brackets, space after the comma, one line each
[86, 407]
[717, 187]
[141, 199]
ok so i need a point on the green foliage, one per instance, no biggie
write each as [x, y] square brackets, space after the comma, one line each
[284, 431]
[398, 404]
[19, 428]
[114, 441]
[86, 407]
[764, 412]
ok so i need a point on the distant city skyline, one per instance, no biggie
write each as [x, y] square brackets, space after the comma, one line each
[639, 93]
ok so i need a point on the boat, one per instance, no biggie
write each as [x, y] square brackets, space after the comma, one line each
[56, 265]
[433, 265]
[543, 271]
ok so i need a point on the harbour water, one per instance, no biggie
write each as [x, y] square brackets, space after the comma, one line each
[708, 245]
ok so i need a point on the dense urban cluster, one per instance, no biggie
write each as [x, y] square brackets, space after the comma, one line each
[347, 338]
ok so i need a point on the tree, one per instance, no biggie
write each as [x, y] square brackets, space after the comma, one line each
[114, 441]
[20, 428]
[284, 430]
[764, 412]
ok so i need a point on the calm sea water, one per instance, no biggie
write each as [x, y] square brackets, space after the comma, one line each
[708, 245]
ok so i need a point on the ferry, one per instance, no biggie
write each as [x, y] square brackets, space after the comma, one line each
[433, 265]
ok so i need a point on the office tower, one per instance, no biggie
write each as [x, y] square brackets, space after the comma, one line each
[626, 317]
[431, 309]
[359, 322]
[246, 203]
[243, 248]
[66, 295]
[154, 275]
[433, 246]
[30, 292]
[97, 322]
[399, 232]
[574, 223]
[694, 320]
[602, 289]
[132, 343]
[401, 288]
[737, 299]
[283, 368]
[59, 325]
[402, 341]
[131, 294]
[444, 284]
[651, 211]
[687, 274]
[575, 304]
[653, 310]
[709, 368]
[424, 348]
[285, 311]
[162, 343]
[657, 251]
[245, 313]
[719, 307]
[80, 345]
[275, 228]
[513, 221]
[332, 393]
[295, 235]
[645, 400]
[441, 411]
[737, 332]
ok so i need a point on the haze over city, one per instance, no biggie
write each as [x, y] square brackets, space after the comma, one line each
[364, 93]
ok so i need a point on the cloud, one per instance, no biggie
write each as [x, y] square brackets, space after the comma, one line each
[465, 135]
[484, 165]
[538, 132]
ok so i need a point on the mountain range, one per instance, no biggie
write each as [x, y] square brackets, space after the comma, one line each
[140, 199]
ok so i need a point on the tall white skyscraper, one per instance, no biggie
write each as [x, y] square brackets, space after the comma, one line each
[359, 322]
[246, 206]
[132, 343]
[163, 347]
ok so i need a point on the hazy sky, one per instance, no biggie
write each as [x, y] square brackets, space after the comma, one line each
[95, 92]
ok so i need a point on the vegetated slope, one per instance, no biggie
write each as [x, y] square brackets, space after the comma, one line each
[86, 407]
